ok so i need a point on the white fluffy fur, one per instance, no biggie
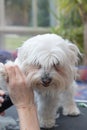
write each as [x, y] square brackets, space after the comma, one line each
[43, 57]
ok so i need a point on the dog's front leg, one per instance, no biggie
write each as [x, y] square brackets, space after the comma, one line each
[47, 106]
[3, 77]
[69, 104]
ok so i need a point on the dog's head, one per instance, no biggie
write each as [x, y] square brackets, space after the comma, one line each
[48, 61]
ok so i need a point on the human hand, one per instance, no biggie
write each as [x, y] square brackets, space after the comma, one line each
[21, 94]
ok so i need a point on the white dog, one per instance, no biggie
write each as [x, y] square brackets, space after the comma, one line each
[48, 61]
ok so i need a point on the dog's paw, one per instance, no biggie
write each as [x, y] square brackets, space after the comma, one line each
[2, 70]
[71, 111]
[47, 123]
[3, 77]
[10, 63]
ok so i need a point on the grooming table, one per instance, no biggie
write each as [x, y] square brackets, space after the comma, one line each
[63, 122]
[72, 123]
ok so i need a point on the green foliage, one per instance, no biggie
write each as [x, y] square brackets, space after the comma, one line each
[70, 22]
[79, 6]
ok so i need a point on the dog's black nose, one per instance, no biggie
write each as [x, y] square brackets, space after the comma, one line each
[46, 81]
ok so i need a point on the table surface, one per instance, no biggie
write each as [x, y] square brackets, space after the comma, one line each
[63, 122]
[72, 123]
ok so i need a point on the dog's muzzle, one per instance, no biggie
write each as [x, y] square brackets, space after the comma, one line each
[46, 80]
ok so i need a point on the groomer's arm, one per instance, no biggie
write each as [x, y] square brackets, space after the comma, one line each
[28, 118]
[23, 98]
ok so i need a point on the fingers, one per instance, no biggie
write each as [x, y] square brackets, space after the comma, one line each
[14, 71]
[2, 92]
[11, 74]
[1, 100]
[14, 75]
[10, 71]
[19, 73]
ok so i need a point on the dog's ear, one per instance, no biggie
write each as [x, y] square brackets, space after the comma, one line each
[74, 54]
[74, 48]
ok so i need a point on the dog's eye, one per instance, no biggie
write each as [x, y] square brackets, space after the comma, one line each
[56, 66]
[38, 66]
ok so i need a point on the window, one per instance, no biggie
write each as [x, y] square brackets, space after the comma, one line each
[28, 12]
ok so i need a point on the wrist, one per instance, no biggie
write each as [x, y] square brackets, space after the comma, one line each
[28, 116]
[24, 107]
[28, 110]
